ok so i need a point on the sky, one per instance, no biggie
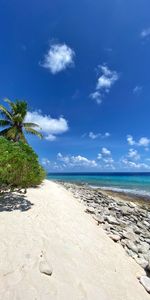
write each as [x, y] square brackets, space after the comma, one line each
[84, 68]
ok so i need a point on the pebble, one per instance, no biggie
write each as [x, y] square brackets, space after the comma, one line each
[90, 210]
[115, 237]
[45, 268]
[112, 220]
[145, 281]
[142, 262]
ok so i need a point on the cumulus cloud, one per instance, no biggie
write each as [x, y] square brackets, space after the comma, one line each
[105, 81]
[137, 90]
[105, 152]
[134, 165]
[94, 136]
[133, 154]
[58, 58]
[130, 140]
[51, 165]
[97, 96]
[106, 157]
[143, 141]
[49, 127]
[145, 33]
[76, 161]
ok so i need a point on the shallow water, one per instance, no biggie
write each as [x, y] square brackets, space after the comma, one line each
[133, 183]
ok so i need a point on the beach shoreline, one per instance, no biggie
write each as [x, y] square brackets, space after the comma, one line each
[51, 249]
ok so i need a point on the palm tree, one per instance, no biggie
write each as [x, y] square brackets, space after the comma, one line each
[14, 121]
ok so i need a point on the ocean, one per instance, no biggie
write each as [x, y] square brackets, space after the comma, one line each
[130, 183]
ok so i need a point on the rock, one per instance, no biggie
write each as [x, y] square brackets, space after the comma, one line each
[99, 219]
[146, 223]
[137, 230]
[112, 220]
[143, 248]
[45, 268]
[132, 246]
[125, 210]
[145, 281]
[132, 205]
[129, 234]
[142, 262]
[115, 237]
[90, 210]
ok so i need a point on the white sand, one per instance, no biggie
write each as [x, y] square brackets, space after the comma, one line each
[86, 263]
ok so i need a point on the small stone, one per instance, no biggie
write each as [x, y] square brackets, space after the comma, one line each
[115, 237]
[132, 246]
[112, 220]
[129, 234]
[125, 210]
[45, 268]
[90, 210]
[143, 248]
[142, 262]
[99, 219]
[145, 281]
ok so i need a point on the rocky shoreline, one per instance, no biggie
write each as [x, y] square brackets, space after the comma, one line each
[125, 222]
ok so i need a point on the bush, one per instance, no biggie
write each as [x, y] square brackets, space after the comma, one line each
[19, 166]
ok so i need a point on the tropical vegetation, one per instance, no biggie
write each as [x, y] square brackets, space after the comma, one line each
[19, 165]
[14, 121]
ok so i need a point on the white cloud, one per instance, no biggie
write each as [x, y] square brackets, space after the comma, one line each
[106, 158]
[130, 140]
[94, 136]
[49, 127]
[97, 97]
[145, 33]
[133, 165]
[107, 134]
[104, 83]
[76, 161]
[143, 141]
[51, 165]
[133, 154]
[107, 79]
[137, 90]
[58, 58]
[105, 152]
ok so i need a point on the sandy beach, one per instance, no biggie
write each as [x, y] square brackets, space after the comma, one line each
[49, 229]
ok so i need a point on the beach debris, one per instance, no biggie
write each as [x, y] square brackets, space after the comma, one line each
[145, 281]
[45, 268]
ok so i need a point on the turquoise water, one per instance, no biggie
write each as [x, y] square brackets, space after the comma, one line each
[135, 183]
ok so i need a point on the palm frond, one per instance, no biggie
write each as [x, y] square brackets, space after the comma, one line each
[26, 124]
[34, 132]
[5, 113]
[5, 123]
[9, 102]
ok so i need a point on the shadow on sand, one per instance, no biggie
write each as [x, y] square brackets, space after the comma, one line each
[14, 201]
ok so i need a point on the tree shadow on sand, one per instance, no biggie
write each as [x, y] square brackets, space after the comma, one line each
[14, 201]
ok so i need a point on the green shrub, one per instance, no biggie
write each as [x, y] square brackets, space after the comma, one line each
[19, 166]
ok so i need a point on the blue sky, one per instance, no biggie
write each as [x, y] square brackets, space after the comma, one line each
[83, 66]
